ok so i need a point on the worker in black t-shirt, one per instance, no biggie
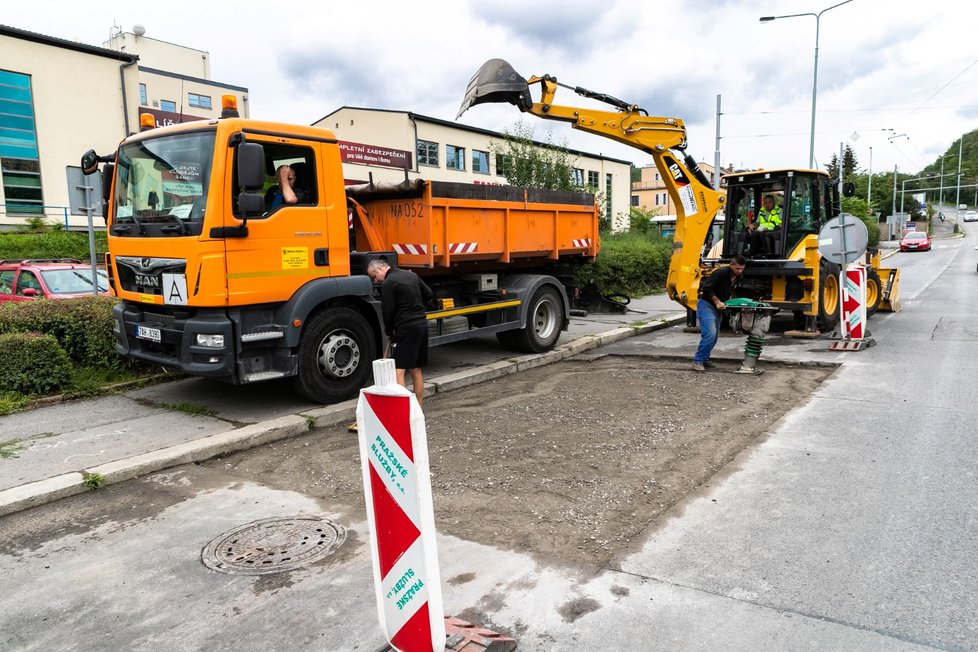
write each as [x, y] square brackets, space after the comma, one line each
[715, 290]
[402, 300]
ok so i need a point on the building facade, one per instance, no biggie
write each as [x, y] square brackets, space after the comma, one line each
[388, 145]
[107, 88]
[650, 191]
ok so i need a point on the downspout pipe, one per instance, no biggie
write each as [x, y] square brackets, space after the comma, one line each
[125, 102]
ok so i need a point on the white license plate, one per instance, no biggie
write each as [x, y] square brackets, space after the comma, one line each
[146, 333]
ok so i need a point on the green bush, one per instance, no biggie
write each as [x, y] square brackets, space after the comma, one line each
[629, 263]
[50, 244]
[82, 326]
[33, 363]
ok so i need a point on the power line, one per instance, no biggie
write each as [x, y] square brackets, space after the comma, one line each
[945, 86]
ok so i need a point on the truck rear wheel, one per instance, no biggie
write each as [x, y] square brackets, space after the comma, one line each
[828, 296]
[543, 323]
[335, 352]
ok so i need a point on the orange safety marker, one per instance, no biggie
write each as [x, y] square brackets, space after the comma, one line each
[852, 322]
[397, 491]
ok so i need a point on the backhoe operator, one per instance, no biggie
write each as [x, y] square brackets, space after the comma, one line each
[768, 220]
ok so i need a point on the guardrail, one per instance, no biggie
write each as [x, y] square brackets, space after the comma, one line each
[28, 211]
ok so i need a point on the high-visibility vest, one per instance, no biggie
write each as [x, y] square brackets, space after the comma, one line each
[769, 220]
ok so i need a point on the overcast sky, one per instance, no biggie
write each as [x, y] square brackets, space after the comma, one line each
[886, 67]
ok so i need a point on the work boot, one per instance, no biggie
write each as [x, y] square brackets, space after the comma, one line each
[709, 365]
[698, 367]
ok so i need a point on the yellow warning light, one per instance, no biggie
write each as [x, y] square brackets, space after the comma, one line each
[229, 106]
[146, 121]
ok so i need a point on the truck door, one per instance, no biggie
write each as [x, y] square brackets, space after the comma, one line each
[287, 245]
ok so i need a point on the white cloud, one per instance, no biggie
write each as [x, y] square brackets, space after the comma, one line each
[882, 64]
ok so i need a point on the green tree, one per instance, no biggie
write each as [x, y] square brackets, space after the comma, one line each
[530, 164]
[849, 164]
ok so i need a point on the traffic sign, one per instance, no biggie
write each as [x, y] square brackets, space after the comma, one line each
[843, 239]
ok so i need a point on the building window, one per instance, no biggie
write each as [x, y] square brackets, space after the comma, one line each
[578, 177]
[168, 105]
[200, 101]
[427, 153]
[480, 162]
[504, 165]
[142, 94]
[635, 200]
[20, 169]
[607, 194]
[656, 199]
[455, 157]
[592, 179]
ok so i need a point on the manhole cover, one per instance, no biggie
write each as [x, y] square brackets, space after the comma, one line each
[272, 545]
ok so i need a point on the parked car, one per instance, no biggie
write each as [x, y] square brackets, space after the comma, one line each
[915, 241]
[62, 278]
[971, 216]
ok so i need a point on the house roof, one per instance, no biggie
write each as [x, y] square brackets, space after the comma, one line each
[13, 32]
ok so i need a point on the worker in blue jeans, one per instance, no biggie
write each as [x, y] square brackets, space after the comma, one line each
[717, 288]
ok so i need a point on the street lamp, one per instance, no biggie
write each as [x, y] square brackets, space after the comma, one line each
[767, 19]
[903, 188]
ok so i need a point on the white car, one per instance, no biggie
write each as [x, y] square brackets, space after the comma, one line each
[971, 216]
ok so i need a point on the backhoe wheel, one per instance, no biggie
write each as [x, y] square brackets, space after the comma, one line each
[543, 322]
[335, 354]
[828, 296]
[874, 291]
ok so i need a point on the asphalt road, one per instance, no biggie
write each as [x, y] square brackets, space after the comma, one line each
[852, 526]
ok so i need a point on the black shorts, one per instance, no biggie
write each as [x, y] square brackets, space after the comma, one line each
[410, 350]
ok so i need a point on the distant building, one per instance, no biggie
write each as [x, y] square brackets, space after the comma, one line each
[388, 144]
[650, 192]
[59, 98]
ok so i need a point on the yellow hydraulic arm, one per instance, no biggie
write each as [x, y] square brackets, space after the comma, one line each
[695, 199]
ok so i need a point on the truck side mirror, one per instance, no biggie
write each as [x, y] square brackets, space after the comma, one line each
[89, 162]
[848, 189]
[251, 166]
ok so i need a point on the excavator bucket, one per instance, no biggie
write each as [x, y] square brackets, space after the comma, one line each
[496, 81]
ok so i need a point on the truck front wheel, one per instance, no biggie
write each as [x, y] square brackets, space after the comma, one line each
[335, 352]
[543, 322]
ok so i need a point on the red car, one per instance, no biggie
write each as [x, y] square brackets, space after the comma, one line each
[64, 278]
[915, 241]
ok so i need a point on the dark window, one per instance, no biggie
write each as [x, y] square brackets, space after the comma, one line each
[27, 281]
[7, 281]
[504, 165]
[19, 166]
[480, 162]
[455, 157]
[607, 192]
[168, 105]
[301, 161]
[427, 153]
[593, 179]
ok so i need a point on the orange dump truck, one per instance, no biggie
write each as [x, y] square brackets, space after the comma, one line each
[218, 278]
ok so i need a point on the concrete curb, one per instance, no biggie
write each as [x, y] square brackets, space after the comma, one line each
[69, 484]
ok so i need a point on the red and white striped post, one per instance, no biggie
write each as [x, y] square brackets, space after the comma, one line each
[853, 322]
[397, 491]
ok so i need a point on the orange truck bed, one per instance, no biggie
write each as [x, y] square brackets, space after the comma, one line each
[439, 225]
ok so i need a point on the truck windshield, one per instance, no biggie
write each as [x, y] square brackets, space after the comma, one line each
[161, 187]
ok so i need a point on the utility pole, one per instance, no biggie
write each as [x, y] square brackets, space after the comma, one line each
[957, 199]
[889, 234]
[716, 154]
[869, 193]
[941, 199]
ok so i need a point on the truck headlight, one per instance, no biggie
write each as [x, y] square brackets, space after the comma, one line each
[212, 341]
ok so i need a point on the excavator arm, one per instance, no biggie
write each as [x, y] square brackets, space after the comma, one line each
[663, 138]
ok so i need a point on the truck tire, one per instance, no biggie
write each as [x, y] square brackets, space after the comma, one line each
[543, 323]
[874, 291]
[828, 296]
[335, 354]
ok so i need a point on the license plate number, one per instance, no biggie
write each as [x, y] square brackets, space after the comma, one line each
[147, 333]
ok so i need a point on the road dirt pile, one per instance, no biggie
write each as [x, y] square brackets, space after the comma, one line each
[572, 463]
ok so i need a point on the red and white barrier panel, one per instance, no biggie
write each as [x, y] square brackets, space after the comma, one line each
[853, 323]
[585, 243]
[397, 491]
[463, 247]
